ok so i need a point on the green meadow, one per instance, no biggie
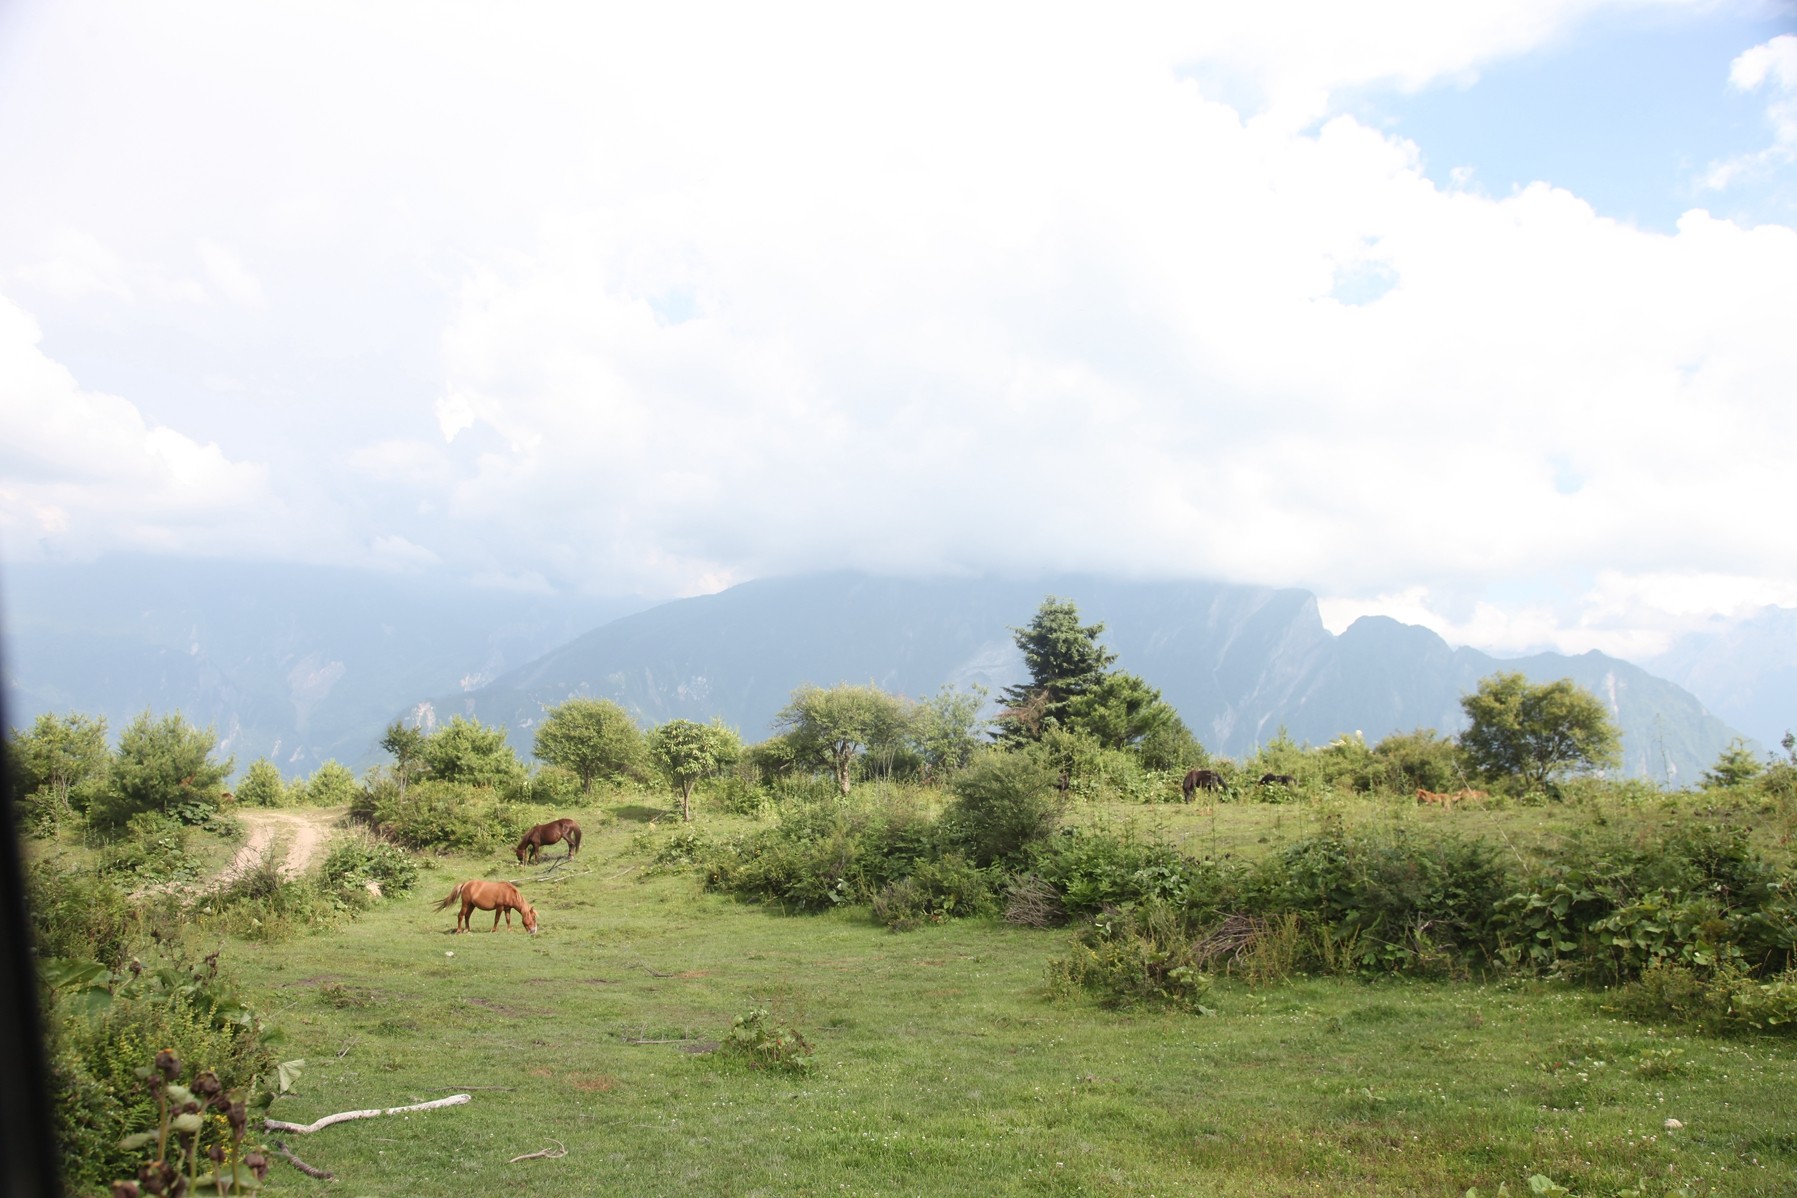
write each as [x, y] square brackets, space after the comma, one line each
[618, 1046]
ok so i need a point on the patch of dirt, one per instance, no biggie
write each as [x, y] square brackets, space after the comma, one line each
[306, 831]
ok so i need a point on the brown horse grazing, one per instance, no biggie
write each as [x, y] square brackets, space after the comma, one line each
[1200, 780]
[1278, 780]
[553, 832]
[497, 897]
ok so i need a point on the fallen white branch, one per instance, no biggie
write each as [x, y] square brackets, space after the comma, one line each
[545, 1154]
[306, 1129]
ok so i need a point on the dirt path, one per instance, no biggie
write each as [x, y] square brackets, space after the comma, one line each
[305, 831]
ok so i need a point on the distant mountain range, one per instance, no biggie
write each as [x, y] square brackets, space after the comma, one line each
[301, 664]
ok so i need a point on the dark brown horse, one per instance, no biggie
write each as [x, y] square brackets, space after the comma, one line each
[1278, 780]
[1200, 780]
[553, 832]
[501, 898]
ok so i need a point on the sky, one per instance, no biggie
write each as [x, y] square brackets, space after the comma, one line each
[1479, 315]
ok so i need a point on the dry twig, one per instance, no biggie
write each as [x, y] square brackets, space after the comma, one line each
[302, 1166]
[545, 1154]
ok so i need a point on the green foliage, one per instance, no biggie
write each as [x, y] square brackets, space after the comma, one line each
[1120, 711]
[407, 746]
[331, 785]
[468, 752]
[75, 913]
[1099, 867]
[591, 739]
[152, 848]
[1724, 1001]
[263, 786]
[687, 752]
[440, 816]
[1006, 805]
[830, 728]
[163, 766]
[946, 729]
[106, 1025]
[760, 1041]
[356, 861]
[1736, 766]
[61, 762]
[1536, 733]
[935, 890]
[1146, 954]
[1419, 760]
[1064, 660]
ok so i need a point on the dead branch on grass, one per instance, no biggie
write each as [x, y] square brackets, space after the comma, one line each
[1033, 903]
[302, 1166]
[306, 1129]
[545, 1154]
[1231, 938]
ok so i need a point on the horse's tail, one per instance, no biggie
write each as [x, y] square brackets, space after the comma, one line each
[453, 896]
[573, 835]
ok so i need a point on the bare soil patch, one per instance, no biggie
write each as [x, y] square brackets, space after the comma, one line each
[305, 831]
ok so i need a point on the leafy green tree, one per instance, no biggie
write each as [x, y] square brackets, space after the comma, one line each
[945, 730]
[590, 738]
[406, 743]
[331, 785]
[164, 766]
[1520, 730]
[262, 785]
[1736, 766]
[1064, 660]
[1420, 760]
[472, 753]
[63, 758]
[1120, 710]
[687, 752]
[1006, 804]
[832, 727]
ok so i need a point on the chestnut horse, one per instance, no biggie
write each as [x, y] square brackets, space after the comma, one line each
[1200, 780]
[497, 897]
[553, 832]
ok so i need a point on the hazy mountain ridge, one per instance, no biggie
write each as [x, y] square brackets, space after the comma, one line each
[1239, 663]
[297, 664]
[302, 664]
[1745, 670]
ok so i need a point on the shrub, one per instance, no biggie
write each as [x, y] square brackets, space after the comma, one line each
[445, 816]
[935, 890]
[153, 848]
[760, 1041]
[1006, 806]
[356, 861]
[331, 785]
[102, 1034]
[1142, 955]
[80, 915]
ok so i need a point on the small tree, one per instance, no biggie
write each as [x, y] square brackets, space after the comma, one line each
[470, 752]
[262, 785]
[1065, 661]
[63, 758]
[687, 752]
[946, 730]
[165, 766]
[1120, 710]
[1420, 760]
[1737, 765]
[832, 727]
[590, 738]
[1005, 805]
[331, 785]
[406, 743]
[1535, 733]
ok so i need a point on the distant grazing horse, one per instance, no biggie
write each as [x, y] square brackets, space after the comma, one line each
[1278, 779]
[1200, 780]
[497, 897]
[553, 832]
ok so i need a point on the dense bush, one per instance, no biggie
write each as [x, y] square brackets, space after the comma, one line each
[77, 914]
[356, 861]
[442, 816]
[105, 1026]
[152, 848]
[1146, 954]
[1006, 806]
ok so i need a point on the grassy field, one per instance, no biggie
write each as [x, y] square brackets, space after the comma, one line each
[941, 1065]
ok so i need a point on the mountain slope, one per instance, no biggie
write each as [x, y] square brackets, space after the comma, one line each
[1239, 663]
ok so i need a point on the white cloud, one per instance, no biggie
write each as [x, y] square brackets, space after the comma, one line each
[1771, 65]
[712, 292]
[88, 471]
